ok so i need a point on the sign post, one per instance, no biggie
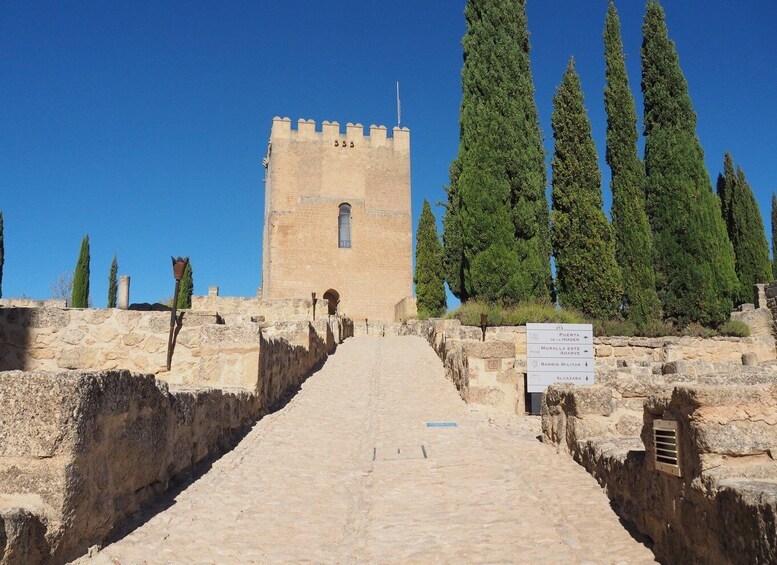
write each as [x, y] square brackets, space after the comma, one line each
[559, 353]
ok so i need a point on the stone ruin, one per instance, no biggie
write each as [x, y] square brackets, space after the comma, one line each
[706, 490]
[94, 426]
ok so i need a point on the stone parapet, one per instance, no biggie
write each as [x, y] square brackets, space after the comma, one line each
[721, 508]
[494, 373]
[262, 311]
[80, 451]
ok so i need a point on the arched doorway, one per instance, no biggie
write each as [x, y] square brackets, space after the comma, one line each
[333, 299]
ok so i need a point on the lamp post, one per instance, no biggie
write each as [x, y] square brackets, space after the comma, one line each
[179, 266]
[313, 295]
[483, 324]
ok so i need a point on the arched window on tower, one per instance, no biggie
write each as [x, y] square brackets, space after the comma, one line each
[344, 226]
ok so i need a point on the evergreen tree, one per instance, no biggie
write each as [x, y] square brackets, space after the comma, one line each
[113, 285]
[693, 257]
[633, 241]
[751, 251]
[451, 236]
[186, 288]
[774, 236]
[2, 254]
[725, 187]
[496, 199]
[525, 164]
[80, 296]
[587, 275]
[429, 287]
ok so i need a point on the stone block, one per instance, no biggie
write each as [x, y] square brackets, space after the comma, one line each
[487, 396]
[510, 376]
[591, 400]
[490, 349]
[683, 367]
[749, 359]
[79, 357]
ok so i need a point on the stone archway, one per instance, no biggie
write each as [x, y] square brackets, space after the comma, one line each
[333, 299]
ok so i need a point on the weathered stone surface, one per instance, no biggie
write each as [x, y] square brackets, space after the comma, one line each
[87, 449]
[490, 349]
[687, 367]
[722, 509]
[487, 396]
[759, 320]
[749, 359]
[22, 536]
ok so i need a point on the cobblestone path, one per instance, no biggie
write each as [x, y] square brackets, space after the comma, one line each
[340, 476]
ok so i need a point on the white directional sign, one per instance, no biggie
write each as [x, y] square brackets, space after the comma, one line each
[559, 353]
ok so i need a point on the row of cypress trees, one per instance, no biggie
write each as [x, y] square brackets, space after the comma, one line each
[80, 291]
[670, 250]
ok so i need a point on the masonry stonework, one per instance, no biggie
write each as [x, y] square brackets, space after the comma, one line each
[310, 175]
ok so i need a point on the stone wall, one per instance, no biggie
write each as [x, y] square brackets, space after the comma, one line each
[717, 351]
[722, 509]
[492, 373]
[82, 450]
[73, 338]
[263, 311]
[30, 303]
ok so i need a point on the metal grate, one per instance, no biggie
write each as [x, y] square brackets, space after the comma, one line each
[666, 448]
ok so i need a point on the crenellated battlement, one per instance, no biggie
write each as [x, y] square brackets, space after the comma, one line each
[330, 132]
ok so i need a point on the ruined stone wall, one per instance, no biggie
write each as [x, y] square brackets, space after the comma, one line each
[263, 311]
[492, 373]
[31, 303]
[309, 175]
[80, 451]
[722, 508]
[51, 339]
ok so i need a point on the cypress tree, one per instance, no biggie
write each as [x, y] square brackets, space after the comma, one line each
[453, 259]
[774, 236]
[725, 187]
[496, 198]
[80, 296]
[751, 251]
[2, 254]
[429, 287]
[526, 164]
[633, 241]
[587, 275]
[693, 257]
[186, 288]
[113, 285]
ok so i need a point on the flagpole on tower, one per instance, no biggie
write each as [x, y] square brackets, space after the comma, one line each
[399, 108]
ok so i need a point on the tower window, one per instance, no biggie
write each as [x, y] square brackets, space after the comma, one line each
[344, 226]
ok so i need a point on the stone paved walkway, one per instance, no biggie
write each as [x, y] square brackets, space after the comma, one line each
[339, 476]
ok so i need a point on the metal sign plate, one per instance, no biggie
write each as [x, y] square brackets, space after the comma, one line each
[559, 353]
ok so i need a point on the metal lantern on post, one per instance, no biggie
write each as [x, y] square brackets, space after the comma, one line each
[483, 324]
[179, 266]
[313, 296]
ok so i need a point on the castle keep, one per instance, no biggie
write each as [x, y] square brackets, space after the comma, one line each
[337, 218]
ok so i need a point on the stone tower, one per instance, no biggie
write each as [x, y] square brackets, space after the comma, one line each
[337, 217]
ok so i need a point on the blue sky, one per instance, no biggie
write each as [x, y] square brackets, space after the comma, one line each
[143, 124]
